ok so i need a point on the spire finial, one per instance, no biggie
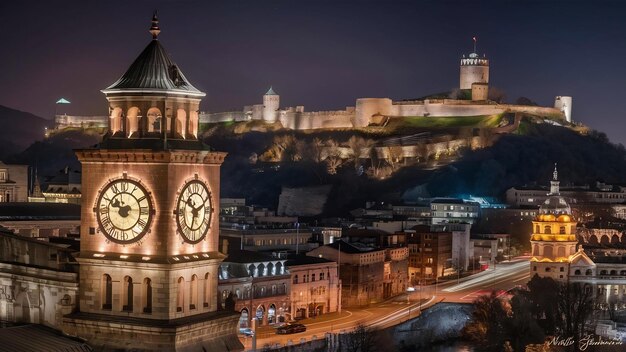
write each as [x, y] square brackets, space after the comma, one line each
[155, 30]
[555, 174]
[474, 39]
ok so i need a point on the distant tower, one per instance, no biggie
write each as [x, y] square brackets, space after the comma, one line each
[271, 104]
[474, 69]
[553, 238]
[564, 103]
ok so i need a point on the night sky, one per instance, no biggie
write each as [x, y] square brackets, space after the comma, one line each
[320, 54]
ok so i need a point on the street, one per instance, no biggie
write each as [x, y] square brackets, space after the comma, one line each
[505, 277]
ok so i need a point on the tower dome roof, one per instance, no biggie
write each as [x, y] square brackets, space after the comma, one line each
[555, 204]
[154, 70]
[271, 91]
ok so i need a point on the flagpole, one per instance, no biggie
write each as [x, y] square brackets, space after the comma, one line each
[474, 44]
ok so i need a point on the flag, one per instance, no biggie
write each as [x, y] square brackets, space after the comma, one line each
[63, 101]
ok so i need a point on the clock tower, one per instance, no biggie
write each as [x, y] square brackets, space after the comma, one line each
[148, 257]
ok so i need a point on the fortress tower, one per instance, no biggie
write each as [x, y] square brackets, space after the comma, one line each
[475, 69]
[271, 104]
[553, 238]
[149, 258]
[564, 103]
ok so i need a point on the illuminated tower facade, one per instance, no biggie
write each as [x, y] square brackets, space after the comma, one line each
[271, 104]
[474, 74]
[149, 227]
[553, 238]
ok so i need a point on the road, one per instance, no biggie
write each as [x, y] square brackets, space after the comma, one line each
[403, 307]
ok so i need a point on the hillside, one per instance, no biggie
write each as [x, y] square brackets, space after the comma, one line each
[401, 161]
[18, 130]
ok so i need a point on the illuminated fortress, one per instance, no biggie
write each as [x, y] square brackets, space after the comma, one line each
[473, 83]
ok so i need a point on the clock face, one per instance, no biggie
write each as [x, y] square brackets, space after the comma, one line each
[124, 211]
[193, 211]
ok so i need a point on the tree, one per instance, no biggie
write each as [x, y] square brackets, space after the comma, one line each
[575, 305]
[361, 339]
[487, 327]
[521, 326]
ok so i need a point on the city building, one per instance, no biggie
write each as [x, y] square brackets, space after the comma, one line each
[599, 194]
[38, 281]
[149, 259]
[367, 274]
[41, 220]
[315, 286]
[289, 238]
[454, 210]
[430, 254]
[64, 187]
[13, 183]
[259, 284]
[553, 240]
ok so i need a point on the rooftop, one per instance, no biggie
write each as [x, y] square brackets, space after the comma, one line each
[306, 260]
[154, 70]
[39, 211]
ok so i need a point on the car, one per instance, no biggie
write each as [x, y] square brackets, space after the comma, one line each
[291, 328]
[246, 331]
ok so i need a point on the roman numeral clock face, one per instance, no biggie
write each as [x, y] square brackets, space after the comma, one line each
[193, 211]
[124, 211]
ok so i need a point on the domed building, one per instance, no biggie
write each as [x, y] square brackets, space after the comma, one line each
[553, 239]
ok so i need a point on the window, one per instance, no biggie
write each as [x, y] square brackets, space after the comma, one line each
[562, 269]
[535, 268]
[180, 295]
[207, 290]
[107, 292]
[577, 272]
[193, 293]
[547, 229]
[312, 277]
[588, 272]
[295, 279]
[127, 294]
[147, 295]
[562, 230]
[321, 276]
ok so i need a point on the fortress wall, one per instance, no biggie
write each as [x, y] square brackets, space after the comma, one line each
[407, 110]
[367, 107]
[537, 110]
[318, 119]
[442, 109]
[62, 121]
[227, 116]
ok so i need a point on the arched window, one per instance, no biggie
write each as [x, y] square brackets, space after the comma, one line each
[107, 292]
[251, 270]
[207, 290]
[261, 270]
[547, 229]
[274, 290]
[588, 272]
[562, 230]
[279, 268]
[115, 120]
[154, 120]
[132, 121]
[270, 269]
[602, 272]
[295, 279]
[321, 276]
[613, 272]
[193, 293]
[147, 295]
[127, 294]
[181, 122]
[577, 272]
[180, 294]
